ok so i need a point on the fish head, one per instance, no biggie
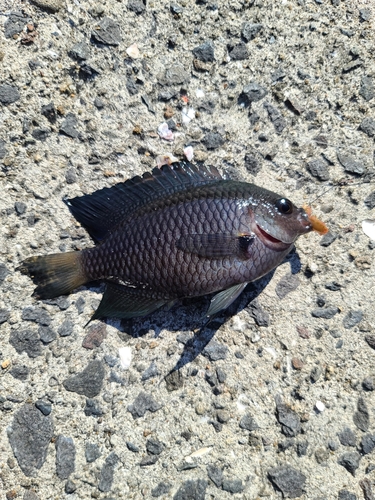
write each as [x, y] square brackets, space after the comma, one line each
[277, 221]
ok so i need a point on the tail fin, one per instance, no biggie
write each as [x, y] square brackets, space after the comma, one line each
[55, 274]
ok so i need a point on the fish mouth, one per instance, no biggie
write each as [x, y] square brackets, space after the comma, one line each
[269, 240]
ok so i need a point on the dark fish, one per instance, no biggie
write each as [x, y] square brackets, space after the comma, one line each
[180, 231]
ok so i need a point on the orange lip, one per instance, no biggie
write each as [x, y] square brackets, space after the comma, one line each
[317, 224]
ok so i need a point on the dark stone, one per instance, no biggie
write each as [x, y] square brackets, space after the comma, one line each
[132, 86]
[368, 383]
[192, 490]
[26, 341]
[175, 75]
[70, 176]
[137, 6]
[152, 371]
[47, 334]
[333, 445]
[36, 314]
[148, 460]
[154, 447]
[278, 75]
[107, 471]
[66, 328]
[288, 480]
[70, 487]
[346, 495]
[221, 375]
[29, 436]
[4, 316]
[15, 24]
[3, 272]
[276, 117]
[370, 339]
[370, 200]
[302, 448]
[20, 372]
[92, 408]
[347, 437]
[213, 140]
[350, 460]
[215, 474]
[132, 447]
[65, 456]
[68, 126]
[99, 103]
[238, 52]
[368, 443]
[215, 351]
[49, 112]
[325, 312]
[174, 381]
[319, 169]
[328, 239]
[367, 125]
[142, 403]
[251, 30]
[80, 51]
[44, 406]
[232, 485]
[8, 94]
[260, 316]
[205, 52]
[364, 15]
[352, 319]
[289, 420]
[288, 283]
[252, 164]
[285, 445]
[361, 417]
[333, 286]
[80, 305]
[350, 164]
[247, 422]
[352, 66]
[89, 382]
[41, 134]
[3, 149]
[107, 32]
[20, 207]
[367, 88]
[253, 92]
[211, 378]
[92, 452]
[161, 489]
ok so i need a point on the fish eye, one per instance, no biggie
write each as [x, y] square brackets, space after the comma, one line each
[284, 206]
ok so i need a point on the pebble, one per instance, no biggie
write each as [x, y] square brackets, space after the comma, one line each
[297, 363]
[26, 341]
[367, 125]
[288, 418]
[44, 406]
[9, 94]
[137, 6]
[174, 381]
[20, 207]
[368, 383]
[47, 334]
[321, 455]
[205, 52]
[347, 437]
[315, 374]
[107, 472]
[232, 485]
[95, 336]
[253, 92]
[251, 30]
[49, 111]
[288, 283]
[65, 456]
[328, 239]
[213, 140]
[346, 495]
[132, 447]
[3, 272]
[29, 436]
[215, 351]
[370, 201]
[15, 24]
[325, 312]
[49, 5]
[318, 168]
[368, 443]
[41, 134]
[80, 51]
[4, 316]
[238, 52]
[107, 32]
[215, 474]
[30, 495]
[68, 126]
[148, 460]
[252, 164]
[191, 489]
[350, 164]
[92, 452]
[175, 75]
[352, 319]
[36, 314]
[88, 382]
[302, 448]
[154, 446]
[247, 422]
[367, 88]
[20, 372]
[260, 316]
[142, 403]
[3, 152]
[288, 480]
[276, 117]
[151, 371]
[92, 408]
[66, 328]
[70, 487]
[361, 417]
[350, 460]
[161, 489]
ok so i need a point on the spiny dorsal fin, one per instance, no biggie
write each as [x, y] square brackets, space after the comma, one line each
[103, 210]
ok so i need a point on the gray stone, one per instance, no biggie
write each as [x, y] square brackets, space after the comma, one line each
[30, 495]
[215, 474]
[92, 408]
[367, 88]
[20, 372]
[66, 328]
[80, 51]
[325, 312]
[288, 283]
[301, 448]
[4, 315]
[215, 351]
[92, 452]
[213, 140]
[276, 117]
[367, 125]
[68, 126]
[142, 403]
[361, 417]
[232, 485]
[175, 75]
[36, 314]
[261, 317]
[47, 334]
[89, 382]
[319, 169]
[152, 371]
[49, 111]
[370, 339]
[71, 176]
[364, 14]
[238, 52]
[65, 456]
[352, 319]
[347, 437]
[44, 406]
[20, 207]
[107, 32]
[154, 446]
[350, 460]
[41, 134]
[346, 495]
[368, 443]
[252, 92]
[3, 272]
[3, 151]
[70, 487]
[26, 341]
[132, 86]
[288, 480]
[289, 420]
[205, 52]
[148, 460]
[321, 455]
[350, 164]
[161, 489]
[368, 383]
[15, 24]
[8, 94]
[174, 381]
[247, 422]
[49, 5]
[192, 490]
[137, 6]
[132, 447]
[370, 201]
[252, 164]
[107, 472]
[251, 30]
[29, 436]
[328, 239]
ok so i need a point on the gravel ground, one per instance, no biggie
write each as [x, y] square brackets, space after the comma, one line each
[281, 401]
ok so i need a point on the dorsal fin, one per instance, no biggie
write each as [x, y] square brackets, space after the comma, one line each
[102, 211]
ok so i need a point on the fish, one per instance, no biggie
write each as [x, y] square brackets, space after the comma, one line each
[179, 231]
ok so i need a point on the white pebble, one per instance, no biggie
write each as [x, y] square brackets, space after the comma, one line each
[188, 114]
[189, 152]
[133, 51]
[125, 354]
[166, 159]
[165, 133]
[320, 406]
[368, 226]
[199, 93]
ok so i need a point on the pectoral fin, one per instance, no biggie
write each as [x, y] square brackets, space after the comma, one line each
[119, 301]
[216, 246]
[224, 299]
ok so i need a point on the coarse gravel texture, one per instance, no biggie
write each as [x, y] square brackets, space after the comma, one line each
[280, 403]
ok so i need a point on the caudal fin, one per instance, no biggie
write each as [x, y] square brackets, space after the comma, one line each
[55, 274]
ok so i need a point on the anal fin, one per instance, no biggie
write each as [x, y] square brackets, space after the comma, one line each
[224, 299]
